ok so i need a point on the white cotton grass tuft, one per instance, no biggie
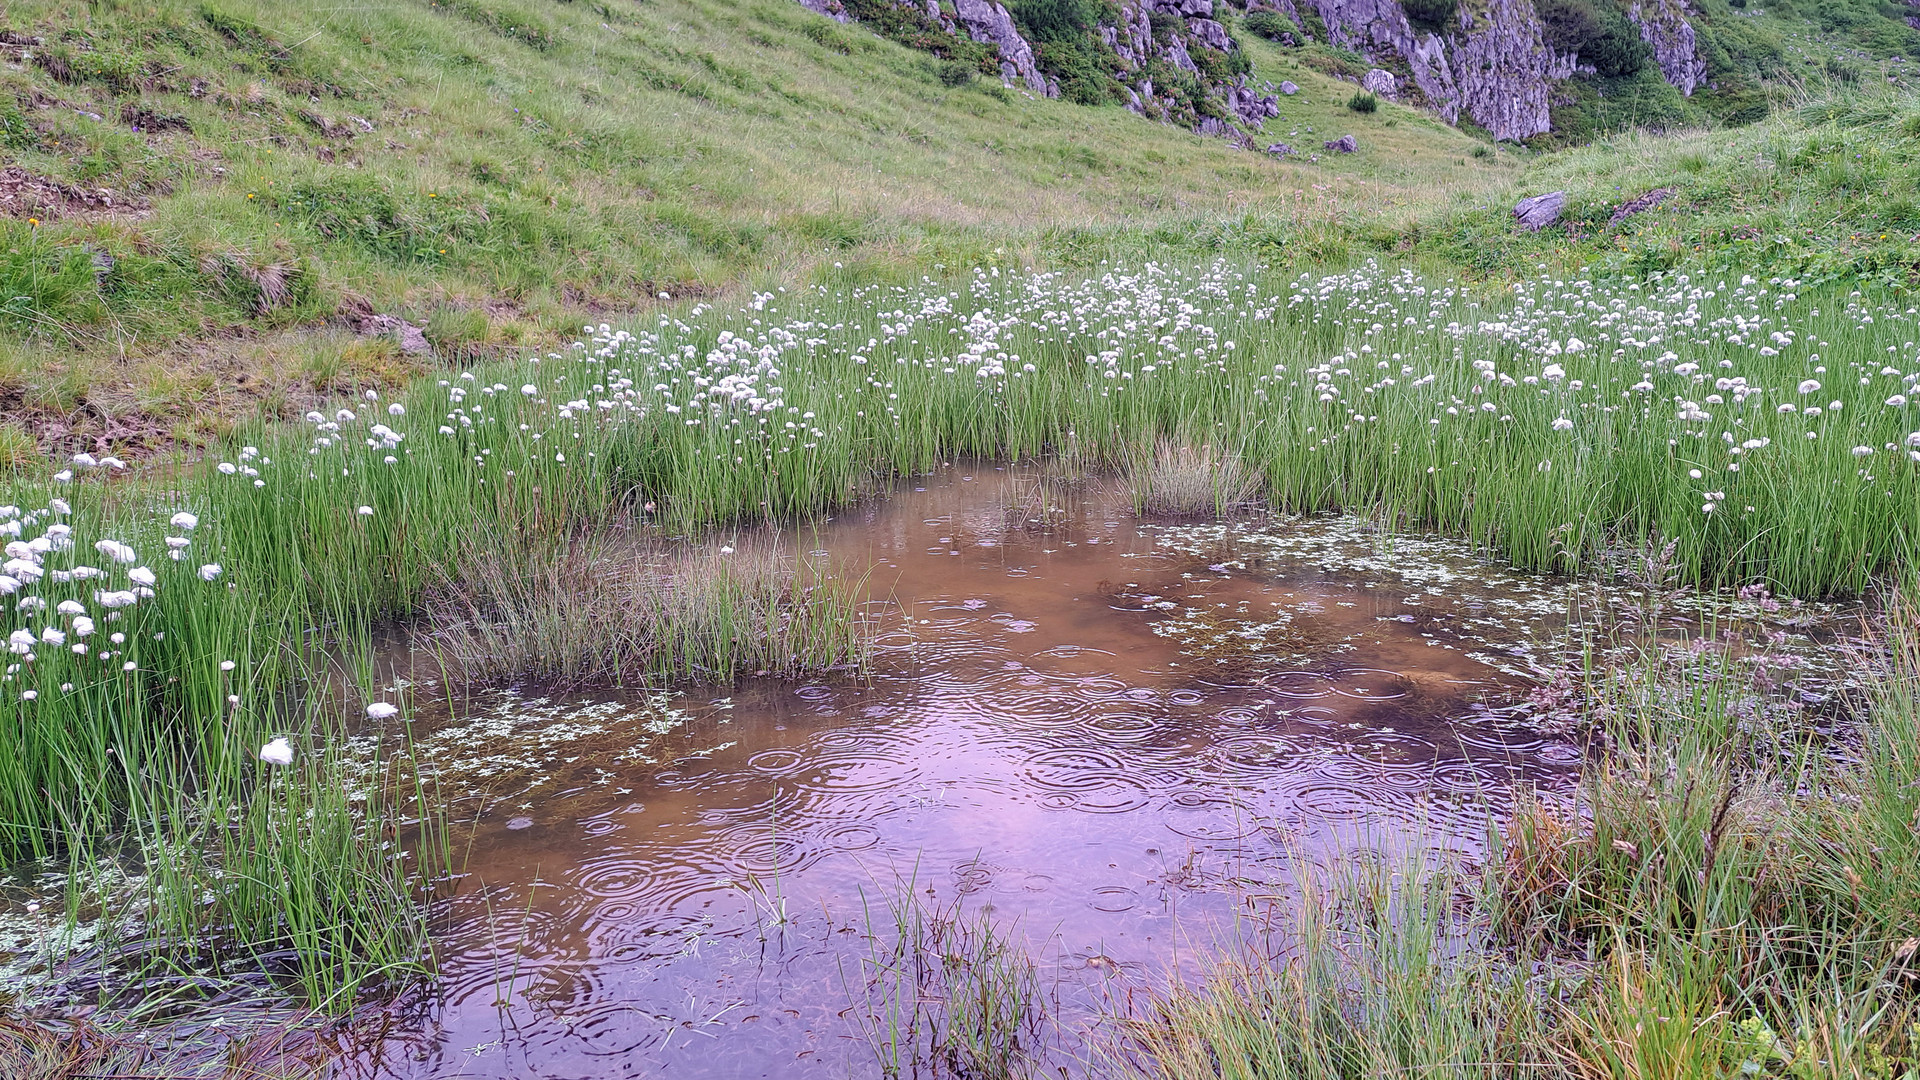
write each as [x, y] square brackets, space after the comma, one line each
[381, 710]
[184, 521]
[366, 511]
[277, 752]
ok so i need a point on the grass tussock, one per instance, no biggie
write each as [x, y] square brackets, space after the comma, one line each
[601, 613]
[1181, 480]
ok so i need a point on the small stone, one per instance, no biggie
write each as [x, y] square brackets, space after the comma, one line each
[1289, 88]
[1280, 149]
[1380, 82]
[518, 823]
[1540, 211]
[1345, 144]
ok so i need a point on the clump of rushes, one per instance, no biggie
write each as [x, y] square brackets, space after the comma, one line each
[1180, 480]
[604, 613]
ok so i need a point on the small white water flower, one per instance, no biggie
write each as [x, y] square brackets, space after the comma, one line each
[277, 752]
[381, 710]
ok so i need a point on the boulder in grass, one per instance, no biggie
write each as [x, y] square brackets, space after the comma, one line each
[1345, 144]
[1280, 149]
[1540, 211]
[1289, 88]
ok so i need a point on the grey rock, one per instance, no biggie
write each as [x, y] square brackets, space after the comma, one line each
[830, 8]
[1540, 211]
[1288, 88]
[986, 21]
[1209, 33]
[1381, 82]
[1493, 63]
[1345, 144]
[1663, 25]
[1635, 205]
[412, 340]
[1279, 149]
[1252, 107]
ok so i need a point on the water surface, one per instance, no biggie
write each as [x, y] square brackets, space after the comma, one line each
[1120, 739]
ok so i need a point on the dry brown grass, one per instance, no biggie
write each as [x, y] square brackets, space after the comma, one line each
[1181, 480]
[603, 612]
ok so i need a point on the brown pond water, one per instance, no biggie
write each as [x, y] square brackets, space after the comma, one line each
[1119, 739]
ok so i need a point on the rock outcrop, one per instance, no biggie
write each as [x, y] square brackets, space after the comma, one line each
[1506, 69]
[990, 23]
[1663, 25]
[1487, 60]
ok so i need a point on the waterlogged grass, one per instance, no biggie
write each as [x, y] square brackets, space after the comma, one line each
[1753, 433]
[1706, 911]
[1767, 435]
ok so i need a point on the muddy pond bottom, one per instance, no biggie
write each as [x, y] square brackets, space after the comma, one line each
[1120, 740]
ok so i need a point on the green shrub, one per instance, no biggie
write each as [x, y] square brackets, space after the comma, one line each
[1363, 102]
[1067, 47]
[1430, 16]
[957, 73]
[1267, 24]
[1599, 32]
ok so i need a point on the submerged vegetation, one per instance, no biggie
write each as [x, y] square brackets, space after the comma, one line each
[1700, 914]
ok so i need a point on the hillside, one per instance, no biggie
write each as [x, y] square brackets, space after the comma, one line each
[205, 203]
[210, 209]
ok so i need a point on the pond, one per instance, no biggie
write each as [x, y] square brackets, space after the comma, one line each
[1120, 740]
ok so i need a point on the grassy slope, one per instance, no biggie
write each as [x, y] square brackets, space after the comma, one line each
[1827, 189]
[522, 167]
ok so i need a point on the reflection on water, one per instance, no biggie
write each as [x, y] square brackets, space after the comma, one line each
[1116, 737]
